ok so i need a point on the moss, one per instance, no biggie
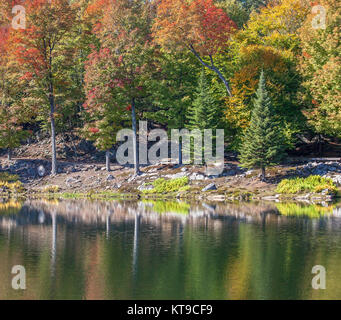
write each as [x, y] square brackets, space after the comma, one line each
[314, 184]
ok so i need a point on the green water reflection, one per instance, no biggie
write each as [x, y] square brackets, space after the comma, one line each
[159, 250]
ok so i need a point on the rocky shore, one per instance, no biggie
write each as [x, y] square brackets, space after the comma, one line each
[235, 183]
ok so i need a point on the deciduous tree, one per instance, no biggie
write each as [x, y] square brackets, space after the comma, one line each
[198, 26]
[320, 66]
[45, 54]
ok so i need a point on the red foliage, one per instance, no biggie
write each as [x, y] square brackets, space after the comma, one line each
[94, 130]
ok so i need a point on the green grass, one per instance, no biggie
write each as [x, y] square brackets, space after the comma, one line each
[162, 186]
[11, 182]
[315, 184]
[7, 177]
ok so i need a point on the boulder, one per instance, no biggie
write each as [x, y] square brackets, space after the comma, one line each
[41, 171]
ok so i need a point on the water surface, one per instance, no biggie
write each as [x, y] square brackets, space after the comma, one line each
[169, 250]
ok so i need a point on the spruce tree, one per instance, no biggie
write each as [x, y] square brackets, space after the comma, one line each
[205, 112]
[263, 143]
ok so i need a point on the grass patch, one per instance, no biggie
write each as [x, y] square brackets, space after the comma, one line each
[10, 183]
[314, 184]
[162, 186]
[51, 189]
[12, 186]
[7, 177]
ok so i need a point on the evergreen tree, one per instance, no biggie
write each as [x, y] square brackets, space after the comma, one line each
[263, 143]
[204, 112]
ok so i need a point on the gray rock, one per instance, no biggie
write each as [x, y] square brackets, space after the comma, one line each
[41, 171]
[110, 177]
[210, 187]
[70, 181]
[197, 176]
[144, 187]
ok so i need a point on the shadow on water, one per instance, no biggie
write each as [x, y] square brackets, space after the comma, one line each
[84, 249]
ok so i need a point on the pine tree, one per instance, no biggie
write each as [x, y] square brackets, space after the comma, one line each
[263, 143]
[204, 112]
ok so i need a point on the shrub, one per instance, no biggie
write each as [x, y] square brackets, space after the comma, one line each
[51, 189]
[314, 184]
[12, 186]
[7, 177]
[168, 186]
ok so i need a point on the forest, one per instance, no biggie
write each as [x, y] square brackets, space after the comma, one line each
[268, 72]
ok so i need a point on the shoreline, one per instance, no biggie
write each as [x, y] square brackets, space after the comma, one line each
[92, 181]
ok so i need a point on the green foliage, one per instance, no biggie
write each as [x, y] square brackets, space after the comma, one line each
[236, 10]
[7, 177]
[51, 189]
[163, 186]
[263, 141]
[204, 113]
[16, 187]
[314, 184]
[320, 67]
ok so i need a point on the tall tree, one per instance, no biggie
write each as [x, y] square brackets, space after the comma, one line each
[263, 141]
[269, 41]
[320, 66]
[198, 26]
[118, 71]
[12, 112]
[204, 113]
[44, 54]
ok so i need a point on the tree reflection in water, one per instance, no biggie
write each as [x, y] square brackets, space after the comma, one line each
[169, 250]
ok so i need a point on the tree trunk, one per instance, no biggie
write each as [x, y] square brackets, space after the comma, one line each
[53, 134]
[263, 174]
[213, 68]
[9, 156]
[136, 156]
[180, 151]
[107, 160]
[320, 145]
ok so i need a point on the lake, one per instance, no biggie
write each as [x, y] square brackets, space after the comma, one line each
[81, 249]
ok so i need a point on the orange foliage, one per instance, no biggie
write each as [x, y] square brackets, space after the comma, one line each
[197, 23]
